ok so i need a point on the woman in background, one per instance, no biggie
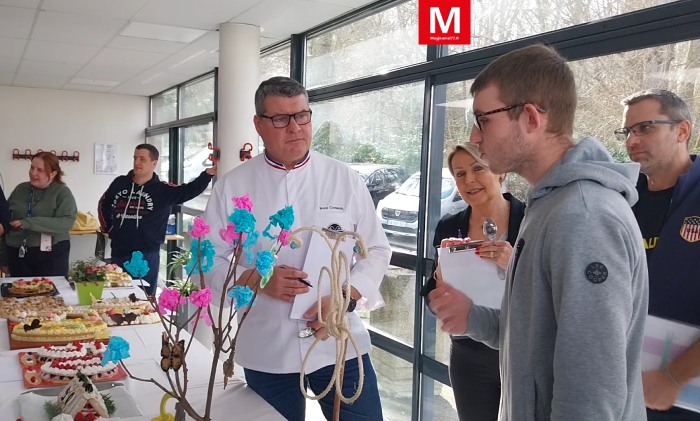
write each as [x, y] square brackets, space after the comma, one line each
[43, 211]
[474, 367]
[4, 227]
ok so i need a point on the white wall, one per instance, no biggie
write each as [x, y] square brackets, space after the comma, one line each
[71, 121]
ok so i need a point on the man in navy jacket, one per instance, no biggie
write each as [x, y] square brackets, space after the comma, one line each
[135, 208]
[657, 128]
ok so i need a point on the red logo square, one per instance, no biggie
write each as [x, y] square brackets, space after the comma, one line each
[444, 22]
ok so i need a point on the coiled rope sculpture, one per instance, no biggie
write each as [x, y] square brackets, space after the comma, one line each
[336, 320]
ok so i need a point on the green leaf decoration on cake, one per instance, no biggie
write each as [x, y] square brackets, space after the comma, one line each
[52, 409]
[109, 403]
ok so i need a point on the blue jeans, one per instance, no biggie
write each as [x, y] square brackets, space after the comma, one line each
[282, 392]
[153, 260]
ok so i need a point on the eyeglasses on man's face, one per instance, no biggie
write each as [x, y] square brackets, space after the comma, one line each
[477, 116]
[281, 121]
[641, 128]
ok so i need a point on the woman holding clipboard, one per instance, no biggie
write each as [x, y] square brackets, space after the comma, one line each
[474, 367]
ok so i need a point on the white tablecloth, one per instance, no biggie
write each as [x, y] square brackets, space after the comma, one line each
[234, 403]
[70, 296]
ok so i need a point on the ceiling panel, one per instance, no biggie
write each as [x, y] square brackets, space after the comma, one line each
[76, 29]
[8, 65]
[56, 51]
[88, 88]
[123, 9]
[31, 4]
[11, 47]
[192, 13]
[16, 22]
[114, 73]
[40, 81]
[127, 58]
[141, 44]
[291, 16]
[50, 68]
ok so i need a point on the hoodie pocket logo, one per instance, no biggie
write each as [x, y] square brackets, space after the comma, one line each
[596, 272]
[690, 230]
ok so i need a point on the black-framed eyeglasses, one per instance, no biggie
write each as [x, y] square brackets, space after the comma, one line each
[640, 129]
[281, 121]
[477, 116]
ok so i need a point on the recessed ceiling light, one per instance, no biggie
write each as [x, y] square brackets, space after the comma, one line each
[94, 82]
[162, 32]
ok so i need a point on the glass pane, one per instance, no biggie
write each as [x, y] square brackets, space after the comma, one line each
[164, 107]
[373, 45]
[396, 317]
[195, 141]
[395, 380]
[497, 21]
[438, 401]
[275, 64]
[197, 97]
[602, 82]
[378, 130]
[162, 143]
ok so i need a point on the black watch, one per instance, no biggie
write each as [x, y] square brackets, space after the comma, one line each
[352, 304]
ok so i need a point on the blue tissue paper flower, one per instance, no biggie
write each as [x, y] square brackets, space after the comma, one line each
[117, 349]
[243, 220]
[284, 218]
[241, 295]
[137, 267]
[264, 262]
[248, 245]
[207, 256]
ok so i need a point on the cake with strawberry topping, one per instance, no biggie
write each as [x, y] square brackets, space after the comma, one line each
[32, 287]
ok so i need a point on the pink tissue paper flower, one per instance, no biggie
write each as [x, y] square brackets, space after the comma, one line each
[201, 298]
[229, 235]
[169, 299]
[243, 202]
[284, 237]
[200, 228]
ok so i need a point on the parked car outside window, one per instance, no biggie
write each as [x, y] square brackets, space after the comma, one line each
[398, 211]
[381, 179]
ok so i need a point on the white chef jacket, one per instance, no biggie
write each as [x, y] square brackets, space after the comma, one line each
[322, 191]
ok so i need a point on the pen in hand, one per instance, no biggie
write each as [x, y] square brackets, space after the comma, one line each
[305, 282]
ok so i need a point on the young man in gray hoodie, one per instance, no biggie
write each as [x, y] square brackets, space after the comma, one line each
[571, 323]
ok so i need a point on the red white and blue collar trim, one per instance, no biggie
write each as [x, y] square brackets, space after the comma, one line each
[271, 162]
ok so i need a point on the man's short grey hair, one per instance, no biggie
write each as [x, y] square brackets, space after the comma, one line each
[277, 86]
[670, 104]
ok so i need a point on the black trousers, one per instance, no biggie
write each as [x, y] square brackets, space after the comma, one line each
[40, 263]
[673, 414]
[476, 380]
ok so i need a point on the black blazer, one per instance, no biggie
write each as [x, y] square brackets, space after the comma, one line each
[453, 225]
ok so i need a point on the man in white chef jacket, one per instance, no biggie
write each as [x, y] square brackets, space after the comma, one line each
[325, 193]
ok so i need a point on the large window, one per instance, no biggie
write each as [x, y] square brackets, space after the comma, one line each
[197, 97]
[498, 21]
[194, 141]
[164, 107]
[275, 64]
[374, 45]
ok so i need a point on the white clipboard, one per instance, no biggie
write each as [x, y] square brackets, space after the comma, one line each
[664, 340]
[318, 255]
[472, 275]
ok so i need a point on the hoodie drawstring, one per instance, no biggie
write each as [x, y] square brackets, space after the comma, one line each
[128, 202]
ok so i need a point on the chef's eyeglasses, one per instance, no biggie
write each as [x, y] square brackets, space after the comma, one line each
[281, 121]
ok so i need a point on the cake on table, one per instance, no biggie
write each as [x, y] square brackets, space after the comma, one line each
[17, 310]
[31, 287]
[60, 331]
[116, 277]
[81, 401]
[52, 364]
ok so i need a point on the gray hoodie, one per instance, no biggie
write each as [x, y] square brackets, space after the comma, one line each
[572, 318]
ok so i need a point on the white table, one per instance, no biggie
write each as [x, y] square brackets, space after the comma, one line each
[236, 402]
[70, 296]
